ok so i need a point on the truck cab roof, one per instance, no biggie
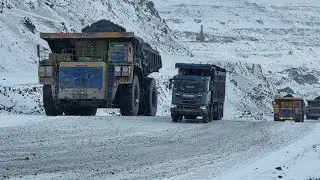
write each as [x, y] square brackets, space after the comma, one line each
[190, 77]
[209, 67]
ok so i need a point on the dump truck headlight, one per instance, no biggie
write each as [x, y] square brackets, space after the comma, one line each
[49, 69]
[125, 69]
[203, 107]
[117, 69]
[42, 69]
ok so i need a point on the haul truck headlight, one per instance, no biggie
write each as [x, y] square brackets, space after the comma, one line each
[122, 71]
[117, 69]
[45, 71]
[42, 69]
[203, 107]
[125, 69]
[49, 69]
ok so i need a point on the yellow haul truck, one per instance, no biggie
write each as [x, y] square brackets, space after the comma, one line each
[289, 108]
[86, 71]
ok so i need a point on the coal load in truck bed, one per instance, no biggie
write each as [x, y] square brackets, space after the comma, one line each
[103, 26]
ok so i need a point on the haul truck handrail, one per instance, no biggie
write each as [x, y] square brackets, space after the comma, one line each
[93, 35]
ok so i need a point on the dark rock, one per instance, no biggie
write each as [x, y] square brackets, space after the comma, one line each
[280, 177]
[279, 168]
[29, 25]
[103, 26]
[286, 90]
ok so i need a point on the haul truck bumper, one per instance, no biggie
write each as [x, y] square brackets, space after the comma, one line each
[186, 112]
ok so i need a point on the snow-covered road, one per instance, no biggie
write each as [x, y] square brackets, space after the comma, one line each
[39, 147]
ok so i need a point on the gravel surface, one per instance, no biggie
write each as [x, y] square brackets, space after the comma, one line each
[136, 147]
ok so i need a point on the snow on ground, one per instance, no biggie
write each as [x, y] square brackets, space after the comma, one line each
[299, 160]
[40, 147]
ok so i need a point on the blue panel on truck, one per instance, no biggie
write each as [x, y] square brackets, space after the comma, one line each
[81, 77]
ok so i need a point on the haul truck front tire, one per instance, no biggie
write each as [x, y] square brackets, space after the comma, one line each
[48, 102]
[130, 100]
[149, 102]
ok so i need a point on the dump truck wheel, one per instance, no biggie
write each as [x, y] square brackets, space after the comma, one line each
[131, 97]
[150, 103]
[219, 114]
[308, 117]
[48, 102]
[298, 118]
[176, 118]
[215, 113]
[206, 118]
[211, 114]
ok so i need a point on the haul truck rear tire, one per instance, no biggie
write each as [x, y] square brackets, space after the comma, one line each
[176, 117]
[48, 102]
[149, 103]
[130, 100]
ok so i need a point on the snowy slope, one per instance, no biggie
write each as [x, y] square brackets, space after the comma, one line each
[22, 21]
[279, 38]
[264, 45]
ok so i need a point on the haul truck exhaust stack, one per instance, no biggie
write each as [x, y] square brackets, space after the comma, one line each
[86, 71]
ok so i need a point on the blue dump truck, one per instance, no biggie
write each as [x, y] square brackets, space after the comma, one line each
[198, 90]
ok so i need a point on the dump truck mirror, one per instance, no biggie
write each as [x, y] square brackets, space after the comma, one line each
[38, 50]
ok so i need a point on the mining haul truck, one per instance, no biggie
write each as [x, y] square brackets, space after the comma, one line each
[289, 108]
[198, 90]
[313, 109]
[86, 71]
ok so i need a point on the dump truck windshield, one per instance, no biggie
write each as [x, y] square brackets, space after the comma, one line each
[81, 77]
[118, 52]
[189, 86]
[289, 103]
[118, 48]
[314, 103]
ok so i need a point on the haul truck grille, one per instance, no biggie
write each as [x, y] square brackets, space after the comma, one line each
[81, 81]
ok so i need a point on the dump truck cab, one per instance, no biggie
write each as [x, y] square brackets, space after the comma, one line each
[313, 109]
[197, 90]
[289, 108]
[86, 71]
